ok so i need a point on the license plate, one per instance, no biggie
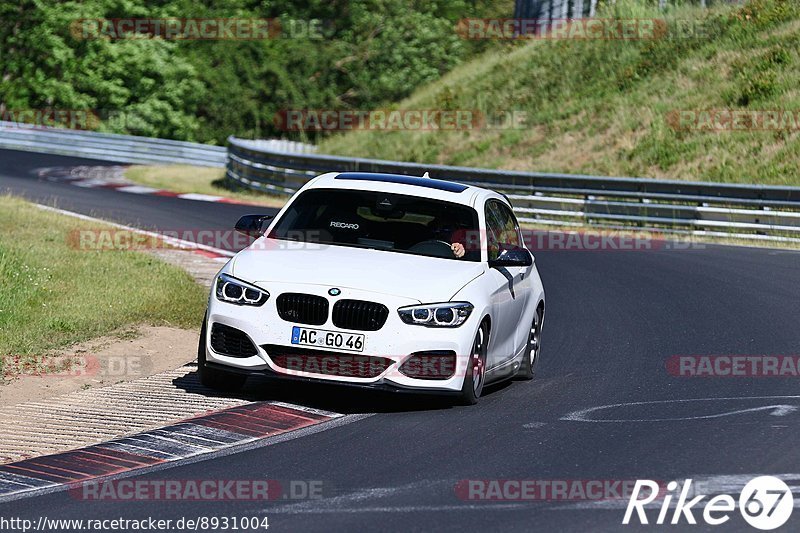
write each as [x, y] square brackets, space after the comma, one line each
[321, 338]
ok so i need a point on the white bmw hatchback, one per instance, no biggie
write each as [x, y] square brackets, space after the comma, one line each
[380, 281]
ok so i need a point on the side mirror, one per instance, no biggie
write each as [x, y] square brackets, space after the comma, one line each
[515, 256]
[252, 225]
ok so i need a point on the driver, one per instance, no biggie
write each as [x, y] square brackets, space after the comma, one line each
[442, 231]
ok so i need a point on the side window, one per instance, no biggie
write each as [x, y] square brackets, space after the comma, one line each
[510, 227]
[502, 231]
[501, 228]
[494, 230]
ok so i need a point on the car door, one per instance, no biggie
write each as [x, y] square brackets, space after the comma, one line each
[509, 293]
[522, 282]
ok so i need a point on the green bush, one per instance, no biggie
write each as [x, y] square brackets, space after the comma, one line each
[371, 53]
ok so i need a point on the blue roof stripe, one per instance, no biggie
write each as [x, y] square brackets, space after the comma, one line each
[430, 183]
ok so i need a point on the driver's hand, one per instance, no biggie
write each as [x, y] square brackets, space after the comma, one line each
[458, 249]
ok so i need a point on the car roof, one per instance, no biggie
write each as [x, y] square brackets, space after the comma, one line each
[402, 184]
[431, 183]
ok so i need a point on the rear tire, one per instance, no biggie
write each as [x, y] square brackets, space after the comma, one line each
[531, 356]
[475, 377]
[211, 377]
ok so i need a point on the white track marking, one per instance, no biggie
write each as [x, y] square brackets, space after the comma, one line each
[583, 415]
[200, 197]
[178, 243]
[102, 176]
[307, 409]
[534, 425]
[138, 189]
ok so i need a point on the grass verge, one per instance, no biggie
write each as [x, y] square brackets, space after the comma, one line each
[201, 180]
[53, 295]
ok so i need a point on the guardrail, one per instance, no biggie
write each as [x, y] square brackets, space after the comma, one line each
[109, 146]
[760, 212]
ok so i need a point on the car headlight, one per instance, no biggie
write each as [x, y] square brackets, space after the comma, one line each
[238, 292]
[444, 315]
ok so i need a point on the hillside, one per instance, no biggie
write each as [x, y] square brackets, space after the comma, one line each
[615, 107]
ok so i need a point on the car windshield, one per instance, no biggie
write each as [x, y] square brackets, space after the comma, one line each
[381, 221]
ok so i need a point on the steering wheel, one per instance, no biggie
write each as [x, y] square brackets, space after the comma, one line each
[433, 247]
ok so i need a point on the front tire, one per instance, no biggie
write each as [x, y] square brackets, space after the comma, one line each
[211, 377]
[475, 377]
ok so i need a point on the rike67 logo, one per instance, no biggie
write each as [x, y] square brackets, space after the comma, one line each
[765, 503]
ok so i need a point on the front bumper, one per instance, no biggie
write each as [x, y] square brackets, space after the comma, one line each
[381, 385]
[396, 341]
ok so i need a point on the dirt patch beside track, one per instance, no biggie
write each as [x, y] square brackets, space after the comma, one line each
[141, 352]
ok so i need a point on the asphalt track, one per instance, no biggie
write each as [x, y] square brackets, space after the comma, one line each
[613, 320]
